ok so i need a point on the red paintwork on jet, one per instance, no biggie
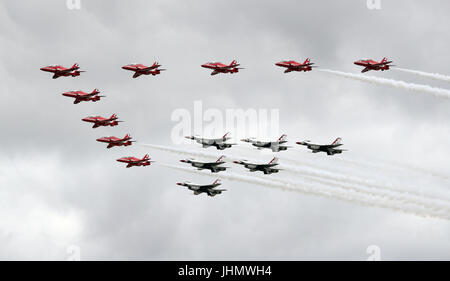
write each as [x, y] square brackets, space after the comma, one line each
[102, 121]
[292, 65]
[370, 64]
[133, 161]
[140, 69]
[80, 96]
[219, 67]
[59, 71]
[115, 141]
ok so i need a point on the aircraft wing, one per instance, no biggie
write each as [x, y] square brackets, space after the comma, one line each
[117, 141]
[210, 164]
[278, 148]
[337, 149]
[205, 187]
[208, 141]
[147, 68]
[300, 65]
[227, 66]
[63, 70]
[88, 95]
[140, 161]
[214, 192]
[224, 145]
[381, 63]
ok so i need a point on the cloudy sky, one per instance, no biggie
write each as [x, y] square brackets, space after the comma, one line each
[59, 187]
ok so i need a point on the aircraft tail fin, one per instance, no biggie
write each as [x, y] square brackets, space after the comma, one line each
[75, 66]
[274, 161]
[220, 158]
[234, 62]
[216, 181]
[306, 61]
[283, 138]
[95, 91]
[114, 116]
[384, 60]
[337, 141]
[146, 157]
[226, 135]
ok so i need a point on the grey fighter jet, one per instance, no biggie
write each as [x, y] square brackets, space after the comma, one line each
[212, 166]
[219, 143]
[275, 146]
[209, 189]
[330, 149]
[267, 169]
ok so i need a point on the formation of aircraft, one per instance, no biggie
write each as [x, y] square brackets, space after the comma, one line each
[209, 189]
[292, 65]
[80, 96]
[219, 67]
[140, 69]
[275, 146]
[133, 161]
[219, 143]
[267, 168]
[212, 166]
[102, 121]
[59, 71]
[330, 149]
[115, 141]
[370, 64]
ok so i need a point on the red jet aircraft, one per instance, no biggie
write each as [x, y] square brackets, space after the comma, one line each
[222, 68]
[59, 71]
[80, 96]
[140, 69]
[292, 65]
[102, 121]
[373, 65]
[115, 141]
[133, 161]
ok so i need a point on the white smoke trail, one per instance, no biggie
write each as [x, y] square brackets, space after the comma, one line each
[371, 187]
[335, 193]
[332, 175]
[435, 76]
[438, 92]
[343, 181]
